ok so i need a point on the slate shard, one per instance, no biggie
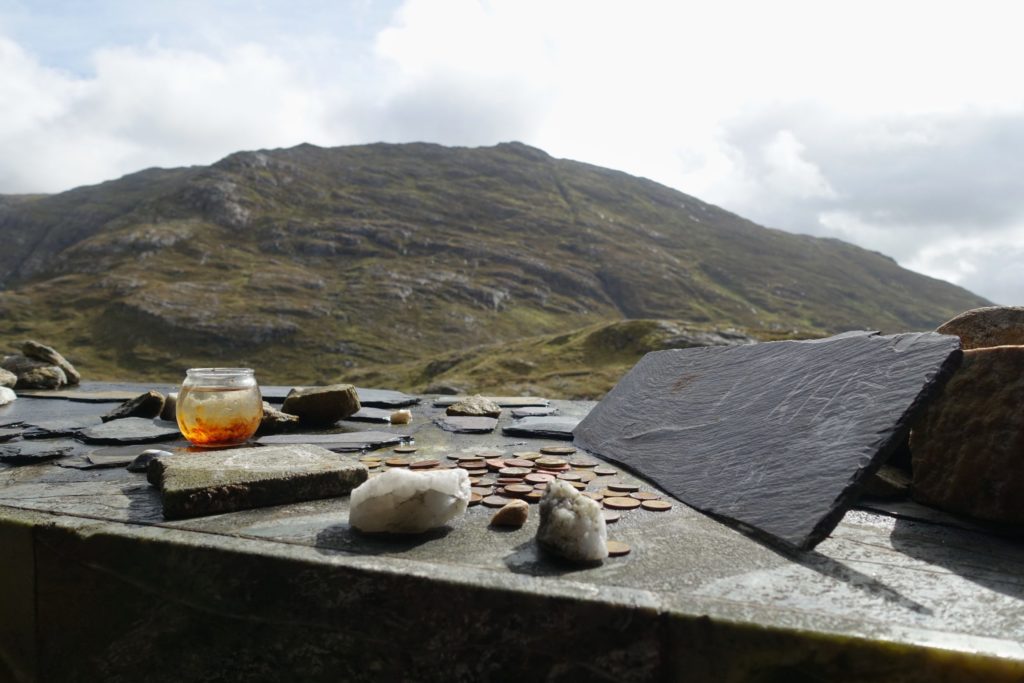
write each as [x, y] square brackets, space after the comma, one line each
[342, 442]
[466, 425]
[129, 430]
[30, 453]
[385, 398]
[220, 481]
[775, 437]
[542, 427]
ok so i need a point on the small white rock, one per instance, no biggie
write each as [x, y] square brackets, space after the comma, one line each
[7, 395]
[571, 525]
[404, 502]
[401, 417]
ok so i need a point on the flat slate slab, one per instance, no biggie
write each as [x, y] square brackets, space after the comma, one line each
[50, 429]
[503, 401]
[341, 442]
[461, 424]
[533, 411]
[364, 414]
[31, 452]
[542, 427]
[776, 437]
[130, 430]
[385, 398]
[197, 484]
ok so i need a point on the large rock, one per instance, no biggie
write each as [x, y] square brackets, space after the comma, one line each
[42, 352]
[149, 404]
[991, 326]
[968, 446]
[474, 406]
[34, 374]
[236, 479]
[321, 406]
[404, 502]
[276, 422]
[7, 378]
[776, 437]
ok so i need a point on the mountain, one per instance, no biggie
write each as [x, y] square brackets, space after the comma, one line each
[311, 263]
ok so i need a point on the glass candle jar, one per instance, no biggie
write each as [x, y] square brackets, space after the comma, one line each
[219, 406]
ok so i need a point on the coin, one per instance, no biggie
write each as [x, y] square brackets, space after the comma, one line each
[557, 450]
[549, 461]
[608, 493]
[371, 458]
[496, 501]
[518, 489]
[489, 453]
[617, 549]
[396, 462]
[472, 464]
[611, 516]
[476, 473]
[539, 477]
[475, 498]
[519, 462]
[578, 485]
[486, 481]
[605, 471]
[526, 455]
[533, 497]
[593, 495]
[617, 503]
[620, 486]
[657, 505]
[540, 487]
[423, 464]
[494, 463]
[482, 490]
[587, 476]
[405, 449]
[579, 462]
[569, 476]
[513, 472]
[643, 495]
[510, 480]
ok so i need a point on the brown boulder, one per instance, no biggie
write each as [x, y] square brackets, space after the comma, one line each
[34, 374]
[984, 327]
[968, 445]
[46, 354]
[474, 406]
[322, 406]
[149, 404]
[274, 421]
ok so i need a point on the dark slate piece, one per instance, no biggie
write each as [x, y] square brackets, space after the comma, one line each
[29, 453]
[385, 398]
[130, 430]
[364, 414]
[776, 437]
[50, 429]
[340, 443]
[6, 434]
[503, 401]
[542, 427]
[467, 425]
[533, 411]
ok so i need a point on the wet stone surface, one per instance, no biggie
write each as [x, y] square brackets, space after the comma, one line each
[130, 430]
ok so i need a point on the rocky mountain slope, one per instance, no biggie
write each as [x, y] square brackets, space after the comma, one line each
[311, 264]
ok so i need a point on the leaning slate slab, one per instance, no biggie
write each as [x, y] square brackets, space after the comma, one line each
[467, 425]
[194, 484]
[31, 452]
[503, 401]
[130, 430]
[542, 427]
[775, 437]
[365, 414]
[385, 398]
[340, 442]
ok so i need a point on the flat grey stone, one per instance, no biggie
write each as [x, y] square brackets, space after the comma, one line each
[196, 484]
[533, 411]
[8, 433]
[385, 398]
[775, 437]
[31, 452]
[546, 427]
[129, 430]
[503, 401]
[467, 425]
[49, 429]
[341, 442]
[365, 414]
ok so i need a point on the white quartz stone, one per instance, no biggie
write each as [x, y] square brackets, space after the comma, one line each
[401, 501]
[571, 525]
[6, 396]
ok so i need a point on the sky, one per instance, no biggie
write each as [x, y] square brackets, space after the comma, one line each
[897, 126]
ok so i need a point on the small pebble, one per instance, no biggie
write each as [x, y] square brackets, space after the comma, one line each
[512, 514]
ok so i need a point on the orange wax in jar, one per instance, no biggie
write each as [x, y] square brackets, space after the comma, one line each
[219, 406]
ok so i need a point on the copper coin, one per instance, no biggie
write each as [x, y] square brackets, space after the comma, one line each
[476, 473]
[570, 476]
[513, 472]
[616, 503]
[405, 449]
[526, 455]
[396, 462]
[489, 453]
[447, 466]
[605, 471]
[593, 495]
[540, 487]
[539, 477]
[486, 481]
[423, 464]
[510, 480]
[533, 497]
[548, 461]
[456, 456]
[587, 476]
[475, 498]
[625, 488]
[474, 481]
[578, 462]
[472, 464]
[611, 516]
[371, 458]
[657, 505]
[494, 463]
[608, 493]
[578, 485]
[617, 549]
[644, 495]
[496, 501]
[519, 462]
[518, 489]
[558, 450]
[482, 490]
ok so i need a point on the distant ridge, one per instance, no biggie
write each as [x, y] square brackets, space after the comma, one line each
[309, 262]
